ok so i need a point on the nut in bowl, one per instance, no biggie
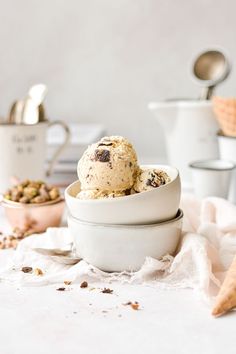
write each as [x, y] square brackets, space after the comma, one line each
[151, 206]
[33, 205]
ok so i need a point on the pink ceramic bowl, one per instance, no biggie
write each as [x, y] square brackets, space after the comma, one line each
[34, 217]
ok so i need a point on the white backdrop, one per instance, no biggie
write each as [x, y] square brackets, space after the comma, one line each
[103, 60]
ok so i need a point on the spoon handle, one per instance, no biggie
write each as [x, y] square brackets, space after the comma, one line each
[207, 92]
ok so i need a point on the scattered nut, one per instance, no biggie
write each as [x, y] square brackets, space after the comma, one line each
[11, 241]
[133, 305]
[67, 282]
[38, 272]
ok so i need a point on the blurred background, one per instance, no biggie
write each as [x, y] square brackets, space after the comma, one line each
[103, 61]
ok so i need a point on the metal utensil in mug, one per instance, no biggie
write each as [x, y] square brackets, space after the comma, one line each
[29, 110]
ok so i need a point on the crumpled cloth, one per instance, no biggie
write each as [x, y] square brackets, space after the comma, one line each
[205, 252]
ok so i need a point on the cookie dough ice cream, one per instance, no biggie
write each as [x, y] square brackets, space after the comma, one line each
[107, 168]
[150, 178]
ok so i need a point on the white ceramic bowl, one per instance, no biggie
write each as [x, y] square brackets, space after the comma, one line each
[157, 205]
[115, 248]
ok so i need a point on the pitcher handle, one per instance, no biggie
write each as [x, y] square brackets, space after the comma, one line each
[61, 147]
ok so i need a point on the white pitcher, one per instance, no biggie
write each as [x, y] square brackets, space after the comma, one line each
[190, 129]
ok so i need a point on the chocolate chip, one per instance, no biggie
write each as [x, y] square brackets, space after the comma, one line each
[61, 289]
[107, 291]
[102, 155]
[127, 303]
[127, 192]
[84, 284]
[27, 269]
[130, 164]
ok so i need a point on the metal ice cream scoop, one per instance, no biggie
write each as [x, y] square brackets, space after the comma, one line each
[210, 68]
[29, 110]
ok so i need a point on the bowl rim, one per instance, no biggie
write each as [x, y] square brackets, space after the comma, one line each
[111, 200]
[17, 205]
[179, 216]
[183, 103]
[205, 165]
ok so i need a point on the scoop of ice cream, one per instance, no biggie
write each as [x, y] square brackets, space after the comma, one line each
[108, 165]
[149, 179]
[96, 194]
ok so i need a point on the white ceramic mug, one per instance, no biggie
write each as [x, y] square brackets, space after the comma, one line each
[23, 151]
[227, 149]
[211, 177]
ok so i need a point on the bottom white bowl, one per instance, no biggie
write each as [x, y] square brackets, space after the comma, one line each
[115, 248]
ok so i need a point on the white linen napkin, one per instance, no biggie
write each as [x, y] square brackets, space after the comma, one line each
[207, 248]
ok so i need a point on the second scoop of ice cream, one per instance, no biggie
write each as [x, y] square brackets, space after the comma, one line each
[109, 165]
[148, 179]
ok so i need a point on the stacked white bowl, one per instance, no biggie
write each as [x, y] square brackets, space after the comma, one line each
[117, 234]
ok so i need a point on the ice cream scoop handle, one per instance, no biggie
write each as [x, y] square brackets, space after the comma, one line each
[61, 147]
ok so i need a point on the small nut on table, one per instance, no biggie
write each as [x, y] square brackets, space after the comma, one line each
[38, 271]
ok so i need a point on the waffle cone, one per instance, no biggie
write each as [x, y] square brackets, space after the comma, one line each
[225, 111]
[226, 298]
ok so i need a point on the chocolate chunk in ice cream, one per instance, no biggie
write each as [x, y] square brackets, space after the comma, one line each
[102, 155]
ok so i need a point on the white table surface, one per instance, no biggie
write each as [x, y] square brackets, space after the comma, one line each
[35, 320]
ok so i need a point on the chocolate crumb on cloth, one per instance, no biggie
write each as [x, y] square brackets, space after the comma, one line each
[27, 269]
[61, 289]
[107, 291]
[84, 284]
